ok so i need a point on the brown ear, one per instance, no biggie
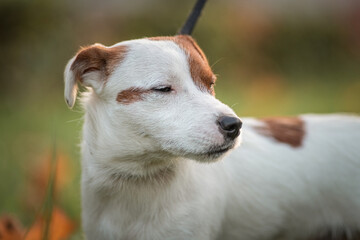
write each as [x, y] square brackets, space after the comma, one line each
[91, 67]
[200, 70]
[199, 67]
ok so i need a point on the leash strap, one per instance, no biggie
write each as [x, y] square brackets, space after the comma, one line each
[194, 15]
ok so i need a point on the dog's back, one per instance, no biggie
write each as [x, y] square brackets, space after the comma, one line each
[295, 178]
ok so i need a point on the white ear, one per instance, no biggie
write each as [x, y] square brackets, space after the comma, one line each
[91, 67]
[70, 84]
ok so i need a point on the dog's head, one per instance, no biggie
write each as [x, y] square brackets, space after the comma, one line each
[153, 95]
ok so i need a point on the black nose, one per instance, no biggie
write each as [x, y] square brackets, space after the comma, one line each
[230, 126]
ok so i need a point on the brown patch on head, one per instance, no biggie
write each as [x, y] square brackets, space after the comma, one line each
[289, 130]
[97, 58]
[131, 95]
[200, 70]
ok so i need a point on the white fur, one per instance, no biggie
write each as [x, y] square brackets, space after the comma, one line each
[262, 190]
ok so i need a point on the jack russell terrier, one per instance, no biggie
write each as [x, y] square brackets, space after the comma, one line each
[159, 158]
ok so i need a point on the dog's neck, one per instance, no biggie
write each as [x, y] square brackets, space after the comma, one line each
[117, 176]
[145, 168]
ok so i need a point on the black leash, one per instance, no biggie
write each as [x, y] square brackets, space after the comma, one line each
[189, 25]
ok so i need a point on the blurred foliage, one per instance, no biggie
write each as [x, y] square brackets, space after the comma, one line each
[268, 63]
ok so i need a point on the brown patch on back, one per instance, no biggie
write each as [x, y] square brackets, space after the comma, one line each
[289, 130]
[131, 95]
[97, 58]
[200, 70]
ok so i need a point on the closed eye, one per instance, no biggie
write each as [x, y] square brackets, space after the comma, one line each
[163, 89]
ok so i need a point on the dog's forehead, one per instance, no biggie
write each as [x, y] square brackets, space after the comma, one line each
[169, 55]
[155, 55]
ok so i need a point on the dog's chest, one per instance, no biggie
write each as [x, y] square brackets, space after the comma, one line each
[135, 220]
[168, 213]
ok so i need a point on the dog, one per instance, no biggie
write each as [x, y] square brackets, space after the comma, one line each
[162, 158]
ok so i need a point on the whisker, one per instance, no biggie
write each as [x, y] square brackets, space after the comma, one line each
[74, 120]
[216, 62]
[234, 105]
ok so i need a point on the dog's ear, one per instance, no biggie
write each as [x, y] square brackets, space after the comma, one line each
[91, 67]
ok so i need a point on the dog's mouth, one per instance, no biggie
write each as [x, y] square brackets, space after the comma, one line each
[217, 151]
[213, 153]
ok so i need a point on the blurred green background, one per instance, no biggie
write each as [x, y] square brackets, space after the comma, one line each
[272, 57]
